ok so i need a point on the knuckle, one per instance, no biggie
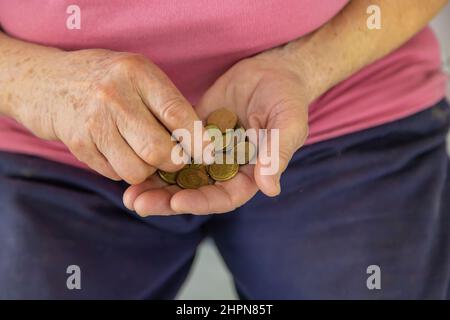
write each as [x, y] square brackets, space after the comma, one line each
[152, 153]
[128, 62]
[175, 167]
[95, 126]
[98, 119]
[82, 150]
[174, 111]
[138, 175]
[103, 93]
[102, 166]
[91, 124]
[130, 179]
[78, 145]
[134, 179]
[125, 113]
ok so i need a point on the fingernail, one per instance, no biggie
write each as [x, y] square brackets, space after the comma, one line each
[124, 201]
[128, 207]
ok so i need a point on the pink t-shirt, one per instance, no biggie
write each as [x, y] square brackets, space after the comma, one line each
[195, 41]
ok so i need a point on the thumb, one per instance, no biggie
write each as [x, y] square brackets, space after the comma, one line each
[172, 109]
[287, 129]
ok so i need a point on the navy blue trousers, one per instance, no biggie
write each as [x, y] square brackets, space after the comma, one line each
[376, 197]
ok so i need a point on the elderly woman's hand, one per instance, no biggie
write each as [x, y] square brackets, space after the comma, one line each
[265, 91]
[114, 111]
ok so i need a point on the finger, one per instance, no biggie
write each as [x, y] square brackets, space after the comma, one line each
[128, 165]
[133, 191]
[155, 202]
[218, 198]
[148, 138]
[89, 154]
[102, 166]
[278, 146]
[151, 197]
[164, 100]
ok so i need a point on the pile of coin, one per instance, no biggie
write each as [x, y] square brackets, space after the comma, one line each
[228, 144]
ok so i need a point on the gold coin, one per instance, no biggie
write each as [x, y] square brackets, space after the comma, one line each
[244, 152]
[169, 177]
[239, 135]
[228, 139]
[223, 118]
[211, 126]
[198, 166]
[216, 137]
[223, 172]
[190, 178]
[223, 157]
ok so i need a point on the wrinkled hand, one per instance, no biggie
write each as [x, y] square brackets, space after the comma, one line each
[115, 111]
[265, 91]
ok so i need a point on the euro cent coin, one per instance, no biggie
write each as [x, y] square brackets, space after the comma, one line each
[223, 172]
[169, 177]
[222, 118]
[198, 166]
[190, 178]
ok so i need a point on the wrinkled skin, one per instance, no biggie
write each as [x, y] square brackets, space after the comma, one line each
[265, 91]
